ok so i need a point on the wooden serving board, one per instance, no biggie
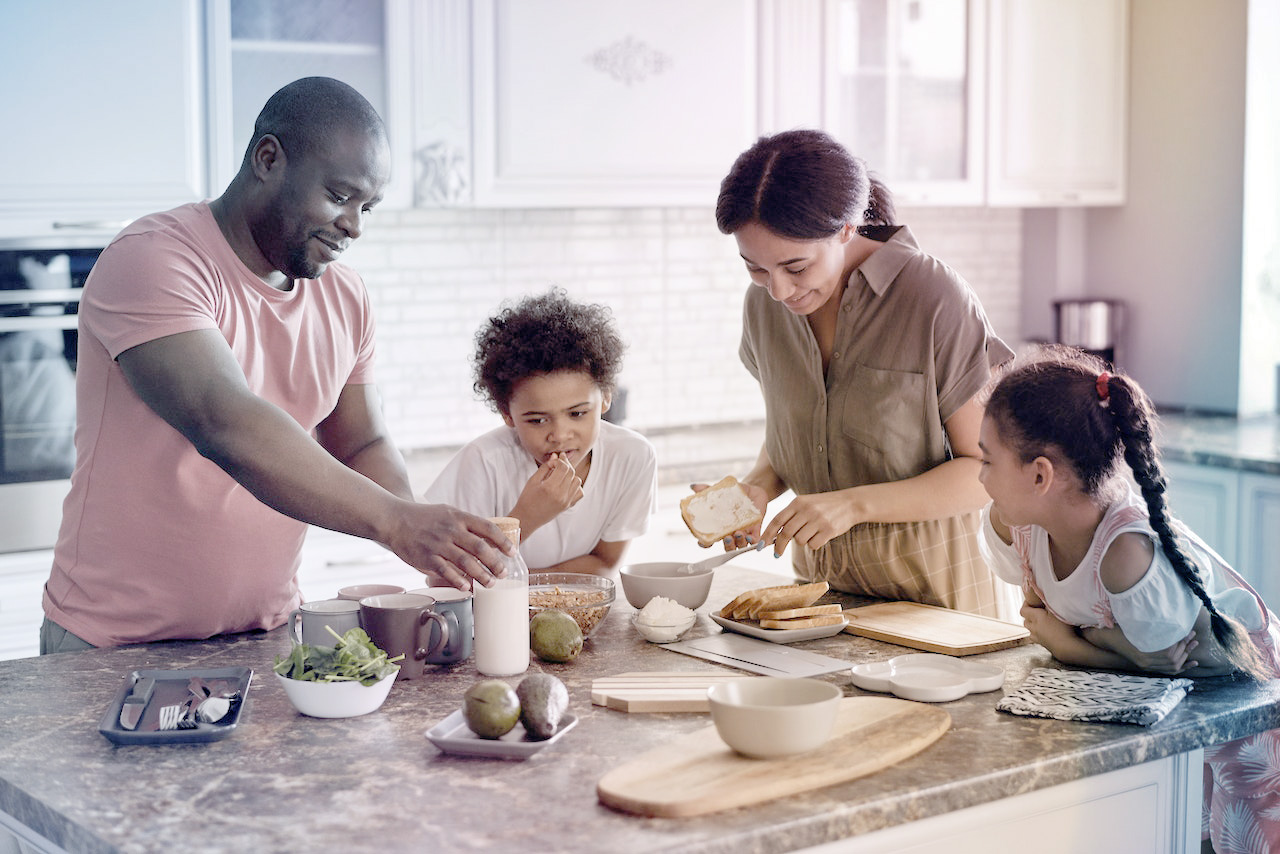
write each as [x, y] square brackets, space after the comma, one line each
[657, 692]
[933, 629]
[698, 773]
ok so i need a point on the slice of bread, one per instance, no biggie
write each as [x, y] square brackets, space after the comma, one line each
[811, 611]
[803, 622]
[718, 511]
[782, 599]
[751, 604]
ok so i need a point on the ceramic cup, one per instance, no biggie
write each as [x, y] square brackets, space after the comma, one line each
[404, 624]
[360, 591]
[307, 622]
[455, 606]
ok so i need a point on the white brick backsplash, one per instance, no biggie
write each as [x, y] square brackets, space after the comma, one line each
[674, 283]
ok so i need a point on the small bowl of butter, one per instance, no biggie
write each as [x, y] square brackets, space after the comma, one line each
[664, 620]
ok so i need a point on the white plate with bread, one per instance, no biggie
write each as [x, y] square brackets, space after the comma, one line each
[783, 614]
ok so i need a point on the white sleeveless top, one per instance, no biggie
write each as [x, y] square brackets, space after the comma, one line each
[1156, 612]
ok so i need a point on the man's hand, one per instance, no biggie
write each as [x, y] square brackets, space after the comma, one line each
[458, 547]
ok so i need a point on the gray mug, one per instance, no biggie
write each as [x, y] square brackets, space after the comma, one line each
[405, 624]
[307, 622]
[455, 606]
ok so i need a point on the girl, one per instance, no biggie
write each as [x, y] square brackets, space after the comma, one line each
[870, 354]
[581, 487]
[1112, 580]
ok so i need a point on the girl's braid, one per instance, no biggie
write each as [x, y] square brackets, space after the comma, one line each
[1129, 412]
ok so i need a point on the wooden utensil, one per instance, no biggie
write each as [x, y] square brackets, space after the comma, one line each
[656, 691]
[933, 629]
[698, 773]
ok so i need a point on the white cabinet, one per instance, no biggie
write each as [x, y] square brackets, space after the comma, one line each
[960, 102]
[1237, 513]
[1058, 102]
[1260, 534]
[1207, 499]
[257, 46]
[104, 115]
[904, 90]
[22, 579]
[586, 103]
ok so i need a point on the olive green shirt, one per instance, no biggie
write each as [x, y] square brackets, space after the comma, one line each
[912, 346]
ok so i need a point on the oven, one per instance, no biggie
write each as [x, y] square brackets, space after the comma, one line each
[40, 287]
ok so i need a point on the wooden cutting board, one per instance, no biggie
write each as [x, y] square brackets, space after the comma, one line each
[657, 692]
[933, 629]
[698, 773]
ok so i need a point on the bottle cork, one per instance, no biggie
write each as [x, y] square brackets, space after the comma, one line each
[510, 526]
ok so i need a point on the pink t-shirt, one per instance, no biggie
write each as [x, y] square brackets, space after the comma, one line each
[156, 541]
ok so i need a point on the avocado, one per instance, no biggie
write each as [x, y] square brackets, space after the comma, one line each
[490, 708]
[543, 701]
[555, 636]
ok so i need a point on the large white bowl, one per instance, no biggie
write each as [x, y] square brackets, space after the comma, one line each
[642, 581]
[766, 717]
[336, 699]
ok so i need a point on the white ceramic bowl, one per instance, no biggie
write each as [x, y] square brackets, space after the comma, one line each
[336, 699]
[765, 717]
[671, 633]
[642, 581]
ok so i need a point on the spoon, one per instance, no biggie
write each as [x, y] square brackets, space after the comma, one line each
[713, 562]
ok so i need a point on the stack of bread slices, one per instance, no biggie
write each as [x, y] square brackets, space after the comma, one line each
[788, 606]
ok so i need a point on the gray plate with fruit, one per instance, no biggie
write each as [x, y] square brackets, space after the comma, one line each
[452, 735]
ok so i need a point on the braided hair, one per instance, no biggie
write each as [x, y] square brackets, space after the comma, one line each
[1063, 404]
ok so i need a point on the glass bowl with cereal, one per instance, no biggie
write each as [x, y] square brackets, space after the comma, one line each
[586, 598]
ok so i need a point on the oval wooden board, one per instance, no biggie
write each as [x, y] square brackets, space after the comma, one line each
[698, 773]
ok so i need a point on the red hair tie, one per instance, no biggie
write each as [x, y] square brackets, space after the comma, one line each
[1104, 390]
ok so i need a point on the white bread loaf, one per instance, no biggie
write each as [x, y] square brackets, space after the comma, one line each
[719, 510]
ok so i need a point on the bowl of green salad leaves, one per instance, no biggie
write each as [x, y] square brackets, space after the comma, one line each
[353, 677]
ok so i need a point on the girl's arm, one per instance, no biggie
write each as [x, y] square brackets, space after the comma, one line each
[1064, 642]
[599, 561]
[948, 489]
[1176, 660]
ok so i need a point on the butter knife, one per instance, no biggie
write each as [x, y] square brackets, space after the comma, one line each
[136, 703]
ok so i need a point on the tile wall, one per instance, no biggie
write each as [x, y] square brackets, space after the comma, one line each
[674, 283]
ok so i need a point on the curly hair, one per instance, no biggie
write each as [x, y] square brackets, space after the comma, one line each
[1051, 404]
[543, 334]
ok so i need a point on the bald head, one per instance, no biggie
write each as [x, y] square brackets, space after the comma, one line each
[306, 114]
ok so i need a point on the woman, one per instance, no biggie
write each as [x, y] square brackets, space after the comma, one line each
[869, 354]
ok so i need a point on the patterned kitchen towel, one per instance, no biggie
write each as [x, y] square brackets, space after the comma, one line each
[1077, 695]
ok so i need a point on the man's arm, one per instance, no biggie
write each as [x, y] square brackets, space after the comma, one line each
[194, 383]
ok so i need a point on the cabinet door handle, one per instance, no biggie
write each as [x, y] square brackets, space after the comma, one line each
[95, 224]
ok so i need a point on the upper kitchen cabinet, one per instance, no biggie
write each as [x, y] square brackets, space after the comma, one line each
[257, 46]
[1058, 102]
[904, 90]
[105, 111]
[583, 103]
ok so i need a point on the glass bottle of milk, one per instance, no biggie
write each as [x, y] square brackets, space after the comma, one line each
[502, 614]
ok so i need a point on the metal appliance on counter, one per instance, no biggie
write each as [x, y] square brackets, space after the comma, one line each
[39, 297]
[1092, 325]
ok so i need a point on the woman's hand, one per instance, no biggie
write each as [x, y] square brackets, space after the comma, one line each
[812, 521]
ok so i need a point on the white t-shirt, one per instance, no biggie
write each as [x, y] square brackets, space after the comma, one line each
[1154, 613]
[488, 474]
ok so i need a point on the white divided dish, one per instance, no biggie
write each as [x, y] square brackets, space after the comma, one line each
[928, 677]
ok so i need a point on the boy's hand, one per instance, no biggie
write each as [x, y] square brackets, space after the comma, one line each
[554, 488]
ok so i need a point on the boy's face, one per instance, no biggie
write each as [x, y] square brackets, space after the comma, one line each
[557, 413]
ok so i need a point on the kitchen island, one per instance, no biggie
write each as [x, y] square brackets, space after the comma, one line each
[285, 782]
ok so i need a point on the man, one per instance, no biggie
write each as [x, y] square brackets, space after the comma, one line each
[224, 399]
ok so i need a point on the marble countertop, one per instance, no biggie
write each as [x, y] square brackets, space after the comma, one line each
[1251, 443]
[283, 781]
